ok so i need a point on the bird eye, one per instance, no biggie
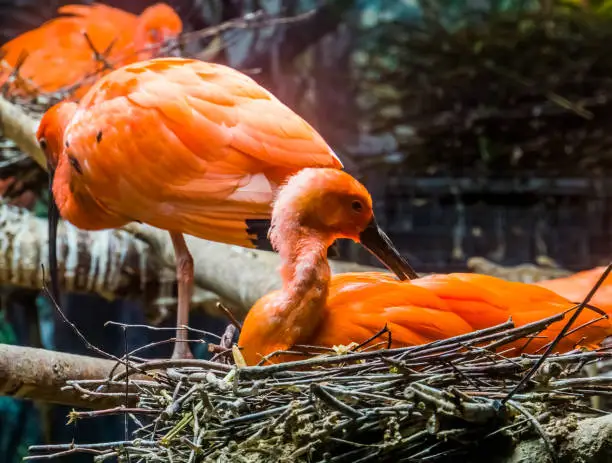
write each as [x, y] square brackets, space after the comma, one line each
[357, 205]
[43, 144]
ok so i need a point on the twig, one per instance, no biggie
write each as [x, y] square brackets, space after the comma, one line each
[325, 396]
[560, 336]
[228, 313]
[76, 331]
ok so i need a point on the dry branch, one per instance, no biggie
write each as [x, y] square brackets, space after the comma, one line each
[21, 128]
[118, 263]
[237, 274]
[525, 273]
[39, 374]
[109, 263]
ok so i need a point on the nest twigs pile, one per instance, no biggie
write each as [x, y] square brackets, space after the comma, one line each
[505, 91]
[431, 402]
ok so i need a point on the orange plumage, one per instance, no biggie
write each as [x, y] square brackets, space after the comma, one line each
[313, 308]
[576, 287]
[58, 56]
[186, 145]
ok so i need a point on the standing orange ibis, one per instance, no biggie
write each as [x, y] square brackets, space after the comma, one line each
[186, 146]
[317, 206]
[61, 53]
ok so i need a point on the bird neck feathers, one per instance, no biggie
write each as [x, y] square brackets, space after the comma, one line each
[305, 273]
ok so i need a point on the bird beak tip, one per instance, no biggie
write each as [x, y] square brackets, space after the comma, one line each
[379, 244]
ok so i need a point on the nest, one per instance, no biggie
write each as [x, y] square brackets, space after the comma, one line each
[509, 91]
[433, 402]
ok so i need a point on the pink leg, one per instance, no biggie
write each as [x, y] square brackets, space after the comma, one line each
[184, 276]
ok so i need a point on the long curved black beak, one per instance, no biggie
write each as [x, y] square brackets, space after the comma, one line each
[378, 243]
[53, 214]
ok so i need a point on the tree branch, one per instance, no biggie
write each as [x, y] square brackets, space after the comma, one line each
[39, 374]
[21, 128]
[110, 263]
[238, 275]
[137, 262]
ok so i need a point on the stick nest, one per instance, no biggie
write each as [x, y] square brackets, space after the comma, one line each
[434, 402]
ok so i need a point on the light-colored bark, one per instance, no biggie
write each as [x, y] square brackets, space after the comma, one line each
[110, 263]
[135, 263]
[525, 273]
[39, 374]
[16, 125]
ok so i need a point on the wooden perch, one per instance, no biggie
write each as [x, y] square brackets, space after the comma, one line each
[39, 374]
[21, 128]
[238, 275]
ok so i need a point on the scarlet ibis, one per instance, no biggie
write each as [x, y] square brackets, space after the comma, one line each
[189, 147]
[317, 206]
[61, 53]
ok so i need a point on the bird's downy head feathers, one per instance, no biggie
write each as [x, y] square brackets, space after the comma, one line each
[157, 24]
[327, 201]
[50, 133]
[331, 204]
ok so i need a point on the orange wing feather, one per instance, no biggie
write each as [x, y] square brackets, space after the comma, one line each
[188, 146]
[413, 314]
[525, 303]
[485, 301]
[58, 55]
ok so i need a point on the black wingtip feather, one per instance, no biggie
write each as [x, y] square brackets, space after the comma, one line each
[258, 229]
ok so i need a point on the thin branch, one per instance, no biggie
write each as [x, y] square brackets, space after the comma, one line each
[21, 128]
[560, 336]
[39, 374]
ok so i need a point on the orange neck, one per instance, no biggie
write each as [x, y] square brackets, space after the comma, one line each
[306, 274]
